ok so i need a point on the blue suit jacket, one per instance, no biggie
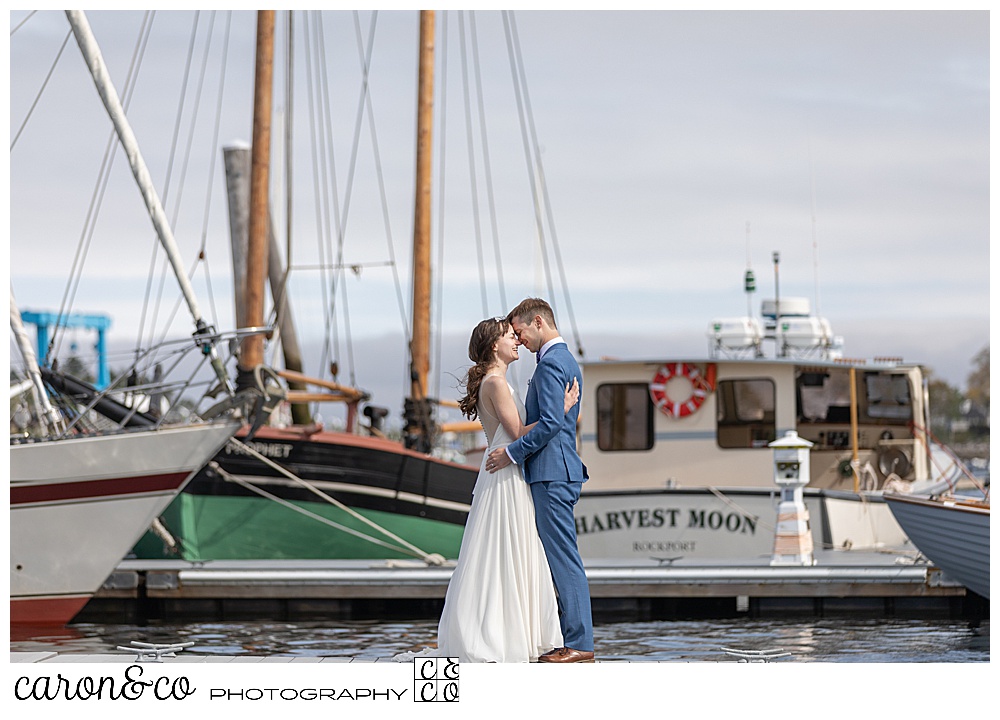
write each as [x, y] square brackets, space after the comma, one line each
[548, 452]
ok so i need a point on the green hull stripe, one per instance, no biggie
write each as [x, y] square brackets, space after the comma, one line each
[239, 528]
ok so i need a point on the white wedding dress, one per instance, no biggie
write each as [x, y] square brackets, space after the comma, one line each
[501, 604]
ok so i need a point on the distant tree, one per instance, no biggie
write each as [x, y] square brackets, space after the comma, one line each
[75, 367]
[979, 379]
[131, 377]
[946, 402]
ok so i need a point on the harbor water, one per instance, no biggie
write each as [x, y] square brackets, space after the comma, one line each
[827, 640]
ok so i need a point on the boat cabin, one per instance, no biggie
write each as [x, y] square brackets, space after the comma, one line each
[667, 423]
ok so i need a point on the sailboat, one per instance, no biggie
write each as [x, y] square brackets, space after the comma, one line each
[302, 492]
[81, 494]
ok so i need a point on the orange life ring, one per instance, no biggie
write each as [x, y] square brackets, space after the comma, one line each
[701, 386]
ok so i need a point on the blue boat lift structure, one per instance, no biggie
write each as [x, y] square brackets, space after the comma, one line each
[100, 323]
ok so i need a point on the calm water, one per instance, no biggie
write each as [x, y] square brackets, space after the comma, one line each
[840, 640]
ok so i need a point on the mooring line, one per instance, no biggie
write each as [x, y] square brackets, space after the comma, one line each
[430, 558]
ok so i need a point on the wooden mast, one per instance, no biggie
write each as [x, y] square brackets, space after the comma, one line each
[417, 409]
[420, 350]
[252, 348]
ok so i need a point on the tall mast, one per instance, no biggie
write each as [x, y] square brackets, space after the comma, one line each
[418, 411]
[204, 333]
[252, 348]
[420, 351]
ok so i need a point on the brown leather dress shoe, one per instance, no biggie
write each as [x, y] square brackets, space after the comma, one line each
[567, 655]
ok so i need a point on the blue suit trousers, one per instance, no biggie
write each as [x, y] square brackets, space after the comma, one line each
[554, 503]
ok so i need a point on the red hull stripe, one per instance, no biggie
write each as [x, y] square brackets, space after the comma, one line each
[47, 611]
[96, 489]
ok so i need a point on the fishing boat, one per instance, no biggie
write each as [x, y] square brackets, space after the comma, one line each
[952, 531]
[679, 448]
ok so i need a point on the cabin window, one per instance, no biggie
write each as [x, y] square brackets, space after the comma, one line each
[887, 397]
[745, 413]
[624, 417]
[824, 397]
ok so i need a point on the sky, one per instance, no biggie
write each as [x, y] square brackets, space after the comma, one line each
[677, 149]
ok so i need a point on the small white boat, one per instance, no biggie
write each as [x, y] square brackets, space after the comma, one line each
[953, 532]
[82, 491]
[77, 504]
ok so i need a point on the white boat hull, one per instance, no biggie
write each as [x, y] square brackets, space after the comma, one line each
[954, 535]
[77, 505]
[722, 523]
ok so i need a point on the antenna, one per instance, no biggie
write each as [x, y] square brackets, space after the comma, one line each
[748, 244]
[812, 188]
[779, 345]
[749, 282]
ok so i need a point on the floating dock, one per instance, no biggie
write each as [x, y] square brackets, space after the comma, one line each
[872, 583]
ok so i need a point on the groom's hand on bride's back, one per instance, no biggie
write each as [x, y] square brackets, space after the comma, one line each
[572, 395]
[497, 460]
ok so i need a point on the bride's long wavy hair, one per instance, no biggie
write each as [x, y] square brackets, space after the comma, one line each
[481, 352]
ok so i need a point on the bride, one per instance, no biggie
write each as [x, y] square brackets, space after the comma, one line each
[501, 604]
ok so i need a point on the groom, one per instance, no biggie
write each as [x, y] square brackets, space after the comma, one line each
[554, 472]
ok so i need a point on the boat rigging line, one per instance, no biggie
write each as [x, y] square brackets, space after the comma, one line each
[539, 189]
[280, 307]
[406, 547]
[487, 168]
[45, 82]
[204, 336]
[319, 168]
[948, 474]
[815, 243]
[324, 178]
[328, 230]
[202, 256]
[100, 187]
[437, 306]
[26, 19]
[166, 185]
[471, 155]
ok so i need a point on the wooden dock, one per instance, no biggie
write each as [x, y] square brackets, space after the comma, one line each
[840, 581]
